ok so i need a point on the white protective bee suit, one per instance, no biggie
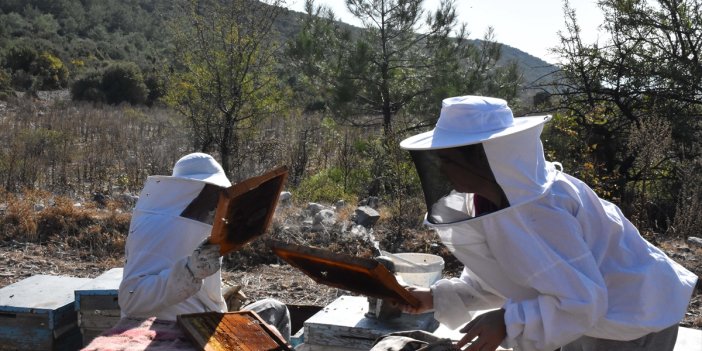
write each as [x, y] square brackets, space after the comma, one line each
[170, 223]
[156, 281]
[561, 261]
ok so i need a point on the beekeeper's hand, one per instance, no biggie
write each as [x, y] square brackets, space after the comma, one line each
[425, 297]
[489, 328]
[204, 261]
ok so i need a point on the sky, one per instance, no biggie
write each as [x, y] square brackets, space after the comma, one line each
[530, 26]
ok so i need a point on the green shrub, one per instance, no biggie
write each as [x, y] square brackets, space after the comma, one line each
[50, 71]
[156, 88]
[22, 80]
[88, 88]
[20, 56]
[123, 82]
[325, 186]
[5, 84]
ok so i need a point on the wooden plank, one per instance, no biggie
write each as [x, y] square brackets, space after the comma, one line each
[343, 323]
[24, 320]
[65, 319]
[98, 319]
[69, 341]
[100, 293]
[93, 302]
[19, 337]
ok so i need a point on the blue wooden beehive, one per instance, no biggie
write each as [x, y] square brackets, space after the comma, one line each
[37, 313]
[97, 305]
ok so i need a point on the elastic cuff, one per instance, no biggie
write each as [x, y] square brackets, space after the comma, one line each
[187, 266]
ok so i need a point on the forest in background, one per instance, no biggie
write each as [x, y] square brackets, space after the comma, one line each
[259, 86]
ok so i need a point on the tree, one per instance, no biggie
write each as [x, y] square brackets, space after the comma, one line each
[88, 87]
[222, 76]
[404, 60]
[124, 82]
[20, 56]
[644, 82]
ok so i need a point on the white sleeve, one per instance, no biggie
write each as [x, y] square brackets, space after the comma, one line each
[456, 298]
[550, 257]
[555, 318]
[145, 294]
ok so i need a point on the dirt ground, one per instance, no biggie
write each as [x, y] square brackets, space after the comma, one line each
[277, 280]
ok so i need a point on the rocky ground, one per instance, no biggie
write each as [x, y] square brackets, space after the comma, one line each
[278, 280]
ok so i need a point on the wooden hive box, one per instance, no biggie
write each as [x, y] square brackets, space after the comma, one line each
[37, 314]
[96, 304]
[343, 324]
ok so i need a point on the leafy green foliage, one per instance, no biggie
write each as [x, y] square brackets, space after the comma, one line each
[395, 70]
[88, 33]
[630, 107]
[118, 83]
[5, 84]
[50, 71]
[326, 186]
[20, 56]
[223, 77]
[88, 87]
[123, 82]
[391, 76]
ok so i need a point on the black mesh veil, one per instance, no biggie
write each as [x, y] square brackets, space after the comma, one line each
[203, 206]
[435, 185]
[460, 173]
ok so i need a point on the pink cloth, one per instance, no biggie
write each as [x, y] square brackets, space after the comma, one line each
[137, 334]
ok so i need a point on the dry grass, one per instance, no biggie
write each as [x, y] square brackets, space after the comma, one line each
[38, 217]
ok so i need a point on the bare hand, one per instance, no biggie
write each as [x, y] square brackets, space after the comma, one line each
[488, 327]
[425, 297]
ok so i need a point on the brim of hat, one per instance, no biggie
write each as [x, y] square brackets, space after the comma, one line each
[214, 179]
[443, 139]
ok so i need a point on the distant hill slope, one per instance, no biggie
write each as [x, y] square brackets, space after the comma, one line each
[88, 34]
[533, 67]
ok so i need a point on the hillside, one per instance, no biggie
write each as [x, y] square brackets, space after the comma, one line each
[81, 36]
[534, 68]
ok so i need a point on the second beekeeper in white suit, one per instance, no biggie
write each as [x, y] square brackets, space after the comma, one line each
[170, 269]
[562, 267]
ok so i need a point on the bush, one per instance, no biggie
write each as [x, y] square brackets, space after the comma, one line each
[123, 82]
[5, 84]
[50, 71]
[325, 186]
[20, 57]
[156, 88]
[88, 88]
[22, 80]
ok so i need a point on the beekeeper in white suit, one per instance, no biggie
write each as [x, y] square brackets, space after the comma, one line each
[170, 268]
[559, 266]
